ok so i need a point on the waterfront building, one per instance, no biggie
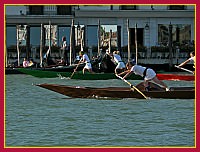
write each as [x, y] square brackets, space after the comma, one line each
[152, 21]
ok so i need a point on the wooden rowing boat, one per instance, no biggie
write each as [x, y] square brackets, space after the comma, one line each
[121, 92]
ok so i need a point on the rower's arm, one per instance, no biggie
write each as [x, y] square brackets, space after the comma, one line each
[82, 59]
[127, 74]
[185, 62]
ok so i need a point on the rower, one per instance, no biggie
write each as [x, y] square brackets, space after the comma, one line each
[191, 59]
[25, 63]
[147, 73]
[85, 59]
[118, 60]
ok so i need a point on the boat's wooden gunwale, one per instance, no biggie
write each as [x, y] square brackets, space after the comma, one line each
[120, 92]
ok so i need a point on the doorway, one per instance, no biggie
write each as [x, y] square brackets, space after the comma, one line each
[140, 36]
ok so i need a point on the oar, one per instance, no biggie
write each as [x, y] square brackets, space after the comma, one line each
[184, 69]
[75, 69]
[133, 87]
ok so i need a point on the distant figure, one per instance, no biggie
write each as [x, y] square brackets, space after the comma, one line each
[61, 62]
[120, 64]
[107, 65]
[147, 73]
[25, 63]
[31, 63]
[86, 60]
[191, 59]
[133, 59]
[46, 58]
[64, 49]
[77, 59]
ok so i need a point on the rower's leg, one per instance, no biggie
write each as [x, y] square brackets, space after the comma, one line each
[90, 70]
[83, 70]
[146, 85]
[115, 70]
[156, 80]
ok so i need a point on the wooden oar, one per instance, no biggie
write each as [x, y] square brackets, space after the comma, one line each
[133, 87]
[75, 69]
[184, 69]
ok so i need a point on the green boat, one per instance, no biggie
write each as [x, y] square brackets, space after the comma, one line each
[42, 73]
[77, 75]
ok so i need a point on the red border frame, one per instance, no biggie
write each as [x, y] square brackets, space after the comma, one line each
[148, 149]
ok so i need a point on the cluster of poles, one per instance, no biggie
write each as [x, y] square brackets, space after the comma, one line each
[71, 43]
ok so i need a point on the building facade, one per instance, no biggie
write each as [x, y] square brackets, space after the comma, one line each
[151, 21]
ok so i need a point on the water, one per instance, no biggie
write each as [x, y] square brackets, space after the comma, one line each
[39, 117]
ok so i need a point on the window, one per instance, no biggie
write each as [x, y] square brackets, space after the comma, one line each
[36, 10]
[35, 35]
[128, 7]
[64, 10]
[176, 7]
[11, 33]
[181, 34]
[63, 31]
[92, 37]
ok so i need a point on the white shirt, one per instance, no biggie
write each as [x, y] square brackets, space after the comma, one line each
[85, 58]
[117, 58]
[138, 70]
[25, 63]
[64, 45]
[77, 57]
[192, 59]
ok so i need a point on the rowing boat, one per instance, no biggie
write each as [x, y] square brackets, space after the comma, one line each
[77, 75]
[100, 76]
[121, 92]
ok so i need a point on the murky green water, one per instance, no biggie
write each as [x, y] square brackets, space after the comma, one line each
[38, 117]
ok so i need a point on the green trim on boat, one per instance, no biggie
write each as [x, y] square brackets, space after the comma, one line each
[78, 75]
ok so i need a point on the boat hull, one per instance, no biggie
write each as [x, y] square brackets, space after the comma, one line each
[77, 75]
[120, 92]
[99, 76]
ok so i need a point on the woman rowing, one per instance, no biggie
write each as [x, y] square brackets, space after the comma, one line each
[191, 59]
[118, 60]
[147, 73]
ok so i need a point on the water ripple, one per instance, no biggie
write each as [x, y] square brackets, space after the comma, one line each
[39, 117]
